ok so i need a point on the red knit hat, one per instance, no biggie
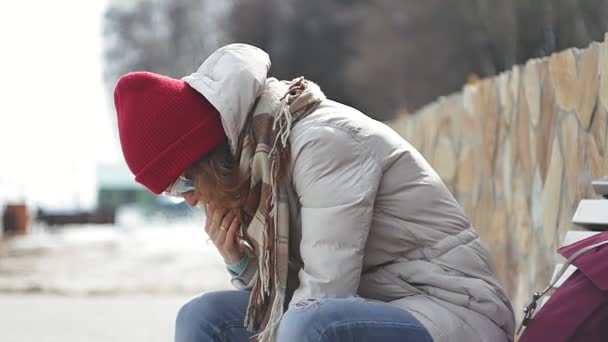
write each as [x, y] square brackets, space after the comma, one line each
[164, 127]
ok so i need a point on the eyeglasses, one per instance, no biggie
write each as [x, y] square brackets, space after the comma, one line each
[179, 187]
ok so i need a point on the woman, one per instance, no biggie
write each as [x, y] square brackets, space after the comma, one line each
[332, 226]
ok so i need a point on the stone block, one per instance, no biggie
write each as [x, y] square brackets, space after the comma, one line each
[598, 129]
[456, 111]
[410, 128]
[521, 216]
[603, 70]
[564, 224]
[522, 292]
[470, 128]
[417, 138]
[547, 124]
[507, 172]
[536, 201]
[552, 193]
[574, 154]
[444, 159]
[483, 210]
[487, 106]
[466, 178]
[505, 98]
[426, 124]
[562, 67]
[588, 83]
[499, 176]
[526, 140]
[606, 142]
[532, 89]
[497, 238]
[515, 84]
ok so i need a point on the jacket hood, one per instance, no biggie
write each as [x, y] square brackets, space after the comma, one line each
[231, 79]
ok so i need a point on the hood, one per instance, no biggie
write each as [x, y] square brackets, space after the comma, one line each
[590, 263]
[231, 79]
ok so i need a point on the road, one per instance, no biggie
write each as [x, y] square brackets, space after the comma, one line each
[52, 318]
[103, 283]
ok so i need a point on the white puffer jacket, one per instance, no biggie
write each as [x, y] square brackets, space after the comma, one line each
[369, 216]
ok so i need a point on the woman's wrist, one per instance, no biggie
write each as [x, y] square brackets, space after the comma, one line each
[233, 257]
[238, 267]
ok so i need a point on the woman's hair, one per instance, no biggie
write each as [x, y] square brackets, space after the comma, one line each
[216, 177]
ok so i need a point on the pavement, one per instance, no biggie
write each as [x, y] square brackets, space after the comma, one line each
[103, 283]
[53, 318]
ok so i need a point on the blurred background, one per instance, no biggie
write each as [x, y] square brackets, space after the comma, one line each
[88, 254]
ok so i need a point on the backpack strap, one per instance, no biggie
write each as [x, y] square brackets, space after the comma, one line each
[530, 309]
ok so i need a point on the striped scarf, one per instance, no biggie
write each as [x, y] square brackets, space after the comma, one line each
[263, 154]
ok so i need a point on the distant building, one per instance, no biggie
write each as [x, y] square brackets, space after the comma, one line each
[116, 188]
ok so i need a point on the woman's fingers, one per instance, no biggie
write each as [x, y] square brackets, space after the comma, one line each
[231, 249]
[224, 225]
[216, 220]
[232, 231]
[208, 216]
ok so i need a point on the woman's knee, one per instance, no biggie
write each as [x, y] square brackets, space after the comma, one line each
[195, 310]
[212, 314]
[200, 305]
[201, 311]
[302, 320]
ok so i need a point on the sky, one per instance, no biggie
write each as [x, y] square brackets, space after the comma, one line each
[55, 118]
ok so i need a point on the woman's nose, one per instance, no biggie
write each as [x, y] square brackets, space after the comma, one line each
[190, 198]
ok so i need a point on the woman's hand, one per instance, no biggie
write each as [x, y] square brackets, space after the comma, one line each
[222, 226]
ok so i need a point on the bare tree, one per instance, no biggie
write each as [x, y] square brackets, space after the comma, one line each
[310, 38]
[167, 37]
[409, 53]
[380, 55]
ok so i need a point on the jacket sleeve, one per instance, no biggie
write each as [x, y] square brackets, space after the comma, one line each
[336, 178]
[246, 279]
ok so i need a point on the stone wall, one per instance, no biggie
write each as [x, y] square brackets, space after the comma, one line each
[519, 151]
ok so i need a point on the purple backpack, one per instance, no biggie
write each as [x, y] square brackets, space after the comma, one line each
[578, 309]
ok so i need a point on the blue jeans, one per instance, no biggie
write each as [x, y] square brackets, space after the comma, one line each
[219, 316]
